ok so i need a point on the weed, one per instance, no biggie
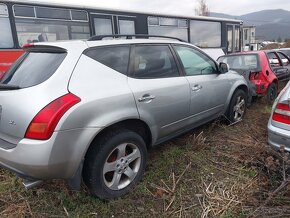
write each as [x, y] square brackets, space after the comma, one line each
[213, 171]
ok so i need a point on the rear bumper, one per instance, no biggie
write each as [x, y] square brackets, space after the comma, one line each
[56, 158]
[278, 137]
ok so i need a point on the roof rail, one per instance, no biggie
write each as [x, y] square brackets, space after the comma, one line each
[100, 37]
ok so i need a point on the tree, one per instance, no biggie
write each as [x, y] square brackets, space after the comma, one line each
[202, 9]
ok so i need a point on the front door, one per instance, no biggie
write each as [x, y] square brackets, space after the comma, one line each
[278, 67]
[208, 88]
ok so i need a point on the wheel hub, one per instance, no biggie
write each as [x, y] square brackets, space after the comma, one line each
[122, 165]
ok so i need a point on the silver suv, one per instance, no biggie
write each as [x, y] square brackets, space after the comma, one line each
[91, 109]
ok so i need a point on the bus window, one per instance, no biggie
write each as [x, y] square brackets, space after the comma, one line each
[103, 26]
[34, 31]
[126, 27]
[168, 27]
[230, 39]
[80, 31]
[6, 39]
[237, 39]
[205, 34]
[49, 24]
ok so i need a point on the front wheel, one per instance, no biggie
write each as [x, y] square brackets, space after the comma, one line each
[237, 107]
[114, 164]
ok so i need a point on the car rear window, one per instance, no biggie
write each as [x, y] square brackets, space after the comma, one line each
[32, 69]
[244, 62]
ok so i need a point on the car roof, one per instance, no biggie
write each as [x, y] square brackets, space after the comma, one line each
[133, 41]
[243, 53]
[83, 44]
[283, 48]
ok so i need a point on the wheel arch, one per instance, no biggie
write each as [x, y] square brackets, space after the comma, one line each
[232, 92]
[136, 125]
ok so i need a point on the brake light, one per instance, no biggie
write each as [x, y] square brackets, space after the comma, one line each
[255, 75]
[44, 123]
[282, 113]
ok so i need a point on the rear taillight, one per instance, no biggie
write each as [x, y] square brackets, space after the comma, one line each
[254, 75]
[282, 113]
[44, 123]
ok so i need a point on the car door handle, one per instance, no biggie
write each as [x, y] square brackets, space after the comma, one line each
[196, 88]
[146, 98]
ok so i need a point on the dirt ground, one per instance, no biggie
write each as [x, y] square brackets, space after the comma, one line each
[213, 171]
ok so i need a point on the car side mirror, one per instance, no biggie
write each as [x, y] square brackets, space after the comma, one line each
[223, 67]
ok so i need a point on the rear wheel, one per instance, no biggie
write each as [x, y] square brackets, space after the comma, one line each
[237, 107]
[272, 93]
[115, 164]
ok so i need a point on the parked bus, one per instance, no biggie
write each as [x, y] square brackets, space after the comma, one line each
[22, 22]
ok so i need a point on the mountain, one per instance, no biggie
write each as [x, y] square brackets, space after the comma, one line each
[270, 24]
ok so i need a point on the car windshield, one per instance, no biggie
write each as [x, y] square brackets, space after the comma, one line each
[241, 62]
[32, 68]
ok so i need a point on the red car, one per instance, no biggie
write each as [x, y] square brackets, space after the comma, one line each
[262, 70]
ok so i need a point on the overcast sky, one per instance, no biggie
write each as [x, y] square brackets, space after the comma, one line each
[187, 7]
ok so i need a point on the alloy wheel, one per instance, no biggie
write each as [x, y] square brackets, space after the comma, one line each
[239, 108]
[121, 166]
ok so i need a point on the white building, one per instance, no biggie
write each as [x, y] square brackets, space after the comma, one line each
[249, 39]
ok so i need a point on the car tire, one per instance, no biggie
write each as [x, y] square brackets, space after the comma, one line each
[237, 107]
[272, 92]
[115, 164]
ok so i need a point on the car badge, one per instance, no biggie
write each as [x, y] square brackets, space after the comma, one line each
[12, 122]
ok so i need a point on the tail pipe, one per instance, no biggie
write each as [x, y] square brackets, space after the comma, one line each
[28, 184]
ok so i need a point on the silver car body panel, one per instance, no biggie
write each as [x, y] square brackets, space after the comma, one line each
[58, 157]
[165, 113]
[207, 85]
[279, 133]
[106, 96]
[18, 109]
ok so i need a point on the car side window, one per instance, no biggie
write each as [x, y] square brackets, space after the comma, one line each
[284, 58]
[273, 60]
[153, 61]
[195, 62]
[116, 57]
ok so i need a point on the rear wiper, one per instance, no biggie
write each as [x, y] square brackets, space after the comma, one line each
[8, 87]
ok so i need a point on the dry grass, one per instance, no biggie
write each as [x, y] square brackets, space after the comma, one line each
[214, 171]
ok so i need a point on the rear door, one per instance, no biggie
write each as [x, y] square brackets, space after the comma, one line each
[285, 61]
[281, 71]
[162, 95]
[208, 88]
